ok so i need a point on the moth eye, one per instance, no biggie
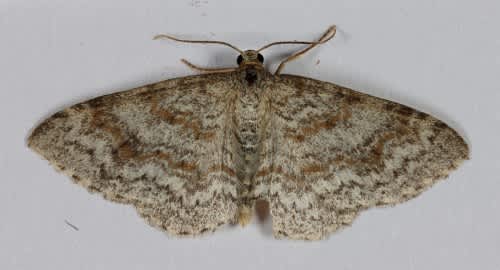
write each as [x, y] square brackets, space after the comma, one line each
[239, 59]
[260, 58]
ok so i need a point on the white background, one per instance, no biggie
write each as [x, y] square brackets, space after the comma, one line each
[441, 57]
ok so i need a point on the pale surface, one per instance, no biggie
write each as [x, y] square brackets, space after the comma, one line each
[439, 58]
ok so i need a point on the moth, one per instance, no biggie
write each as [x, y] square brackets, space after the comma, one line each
[197, 152]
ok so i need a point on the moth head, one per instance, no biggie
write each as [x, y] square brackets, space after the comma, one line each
[250, 57]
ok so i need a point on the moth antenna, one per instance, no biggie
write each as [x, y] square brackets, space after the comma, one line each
[207, 70]
[329, 34]
[285, 42]
[197, 41]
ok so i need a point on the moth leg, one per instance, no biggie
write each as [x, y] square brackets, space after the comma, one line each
[207, 70]
[329, 34]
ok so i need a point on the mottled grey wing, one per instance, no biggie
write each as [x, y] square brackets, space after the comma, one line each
[336, 152]
[160, 147]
